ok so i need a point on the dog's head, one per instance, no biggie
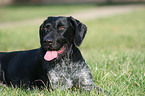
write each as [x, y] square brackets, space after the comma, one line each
[57, 34]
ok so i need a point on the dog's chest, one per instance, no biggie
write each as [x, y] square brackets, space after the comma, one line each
[64, 74]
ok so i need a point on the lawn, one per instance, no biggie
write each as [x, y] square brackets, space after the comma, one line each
[114, 49]
[17, 13]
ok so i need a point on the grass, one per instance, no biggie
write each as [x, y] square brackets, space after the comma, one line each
[17, 13]
[114, 49]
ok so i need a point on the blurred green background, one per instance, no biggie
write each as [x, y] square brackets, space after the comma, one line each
[114, 47]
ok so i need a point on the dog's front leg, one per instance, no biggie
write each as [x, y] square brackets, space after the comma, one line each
[86, 80]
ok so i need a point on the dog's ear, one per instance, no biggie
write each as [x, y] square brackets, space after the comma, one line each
[80, 30]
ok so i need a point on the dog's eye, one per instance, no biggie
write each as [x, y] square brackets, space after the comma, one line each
[61, 28]
[45, 28]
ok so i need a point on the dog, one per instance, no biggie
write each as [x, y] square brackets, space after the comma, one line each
[58, 63]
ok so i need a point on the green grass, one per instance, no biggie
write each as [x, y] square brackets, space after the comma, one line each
[114, 49]
[16, 13]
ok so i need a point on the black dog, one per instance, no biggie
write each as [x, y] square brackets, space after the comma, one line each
[57, 64]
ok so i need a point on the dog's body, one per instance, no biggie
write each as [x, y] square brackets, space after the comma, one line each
[58, 63]
[21, 68]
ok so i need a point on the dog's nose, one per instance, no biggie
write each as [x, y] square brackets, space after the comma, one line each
[48, 42]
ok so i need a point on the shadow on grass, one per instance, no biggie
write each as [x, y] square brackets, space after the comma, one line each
[109, 3]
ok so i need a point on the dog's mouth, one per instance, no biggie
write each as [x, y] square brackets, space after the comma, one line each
[50, 55]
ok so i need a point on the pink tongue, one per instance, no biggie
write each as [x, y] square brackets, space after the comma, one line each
[50, 55]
